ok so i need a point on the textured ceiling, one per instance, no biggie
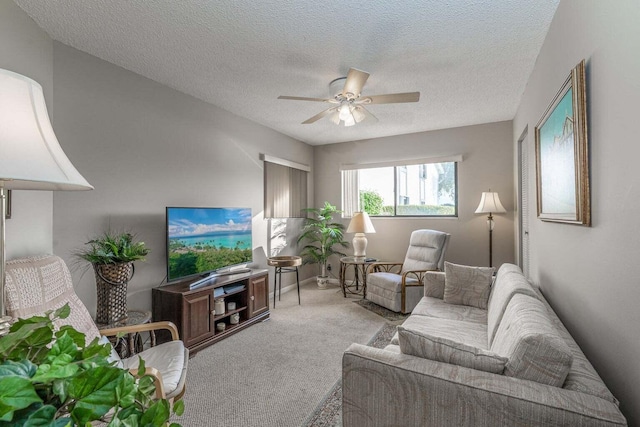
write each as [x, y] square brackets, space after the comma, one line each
[470, 59]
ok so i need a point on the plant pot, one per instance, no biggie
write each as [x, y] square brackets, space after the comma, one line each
[111, 283]
[322, 281]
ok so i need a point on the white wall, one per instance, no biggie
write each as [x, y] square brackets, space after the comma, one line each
[589, 275]
[27, 50]
[144, 146]
[487, 164]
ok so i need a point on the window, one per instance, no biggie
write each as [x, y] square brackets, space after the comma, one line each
[425, 189]
[285, 188]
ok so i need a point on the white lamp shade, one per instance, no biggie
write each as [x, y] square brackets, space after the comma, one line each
[30, 155]
[360, 223]
[490, 203]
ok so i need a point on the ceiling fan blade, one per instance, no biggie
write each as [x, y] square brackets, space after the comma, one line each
[302, 98]
[391, 98]
[319, 116]
[355, 82]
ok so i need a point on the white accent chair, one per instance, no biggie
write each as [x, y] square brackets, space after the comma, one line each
[398, 286]
[39, 284]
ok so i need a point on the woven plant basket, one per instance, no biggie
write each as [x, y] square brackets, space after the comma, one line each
[111, 281]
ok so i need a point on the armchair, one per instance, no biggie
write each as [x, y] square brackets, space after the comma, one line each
[38, 284]
[398, 286]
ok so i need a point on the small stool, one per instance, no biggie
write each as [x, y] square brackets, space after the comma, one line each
[284, 264]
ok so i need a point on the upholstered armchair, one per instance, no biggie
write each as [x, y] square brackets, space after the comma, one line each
[39, 284]
[398, 286]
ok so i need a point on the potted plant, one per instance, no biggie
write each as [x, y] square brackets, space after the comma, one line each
[112, 255]
[52, 378]
[323, 237]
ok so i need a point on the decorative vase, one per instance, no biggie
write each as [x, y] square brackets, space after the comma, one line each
[111, 283]
[322, 281]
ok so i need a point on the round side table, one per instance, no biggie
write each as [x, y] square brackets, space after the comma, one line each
[359, 265]
[130, 344]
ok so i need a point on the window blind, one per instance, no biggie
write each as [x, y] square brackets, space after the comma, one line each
[285, 191]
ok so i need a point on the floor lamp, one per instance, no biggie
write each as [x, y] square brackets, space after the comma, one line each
[30, 155]
[490, 203]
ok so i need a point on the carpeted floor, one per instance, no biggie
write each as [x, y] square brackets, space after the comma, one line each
[328, 413]
[274, 373]
[389, 315]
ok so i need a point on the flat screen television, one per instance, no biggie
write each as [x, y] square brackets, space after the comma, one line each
[201, 241]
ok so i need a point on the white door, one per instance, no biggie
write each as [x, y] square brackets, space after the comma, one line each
[523, 203]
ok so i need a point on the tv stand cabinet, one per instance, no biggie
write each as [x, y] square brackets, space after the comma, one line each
[192, 310]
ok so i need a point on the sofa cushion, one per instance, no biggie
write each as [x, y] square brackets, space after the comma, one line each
[441, 348]
[509, 281]
[472, 334]
[582, 376]
[466, 285]
[528, 338]
[435, 307]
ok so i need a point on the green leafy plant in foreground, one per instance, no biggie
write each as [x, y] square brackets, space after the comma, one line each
[51, 378]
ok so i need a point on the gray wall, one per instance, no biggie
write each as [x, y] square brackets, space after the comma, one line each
[487, 163]
[589, 274]
[144, 146]
[27, 50]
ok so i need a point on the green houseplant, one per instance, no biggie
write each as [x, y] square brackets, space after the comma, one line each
[52, 378]
[112, 255]
[323, 237]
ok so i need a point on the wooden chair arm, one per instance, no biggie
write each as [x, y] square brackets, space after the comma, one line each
[375, 267]
[145, 327]
[419, 274]
[157, 379]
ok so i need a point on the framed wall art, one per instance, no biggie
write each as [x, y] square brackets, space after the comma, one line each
[562, 155]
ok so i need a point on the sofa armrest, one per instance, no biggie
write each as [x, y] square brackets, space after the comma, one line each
[382, 388]
[434, 284]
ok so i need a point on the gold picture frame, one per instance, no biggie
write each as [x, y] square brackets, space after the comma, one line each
[562, 156]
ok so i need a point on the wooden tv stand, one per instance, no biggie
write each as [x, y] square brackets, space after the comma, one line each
[192, 309]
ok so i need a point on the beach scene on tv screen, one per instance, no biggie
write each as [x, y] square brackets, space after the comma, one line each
[203, 240]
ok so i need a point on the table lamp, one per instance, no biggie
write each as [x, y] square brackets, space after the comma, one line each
[360, 224]
[30, 155]
[490, 203]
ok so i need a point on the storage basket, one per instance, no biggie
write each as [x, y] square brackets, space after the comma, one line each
[111, 282]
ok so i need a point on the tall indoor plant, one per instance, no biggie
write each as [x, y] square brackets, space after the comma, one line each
[323, 237]
[112, 255]
[51, 377]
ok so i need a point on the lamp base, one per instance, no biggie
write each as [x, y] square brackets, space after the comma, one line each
[359, 243]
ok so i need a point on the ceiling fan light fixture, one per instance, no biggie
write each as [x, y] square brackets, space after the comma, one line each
[345, 112]
[335, 117]
[349, 121]
[358, 114]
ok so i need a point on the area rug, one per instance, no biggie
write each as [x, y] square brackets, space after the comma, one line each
[328, 413]
[389, 315]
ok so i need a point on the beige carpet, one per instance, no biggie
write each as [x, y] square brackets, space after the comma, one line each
[275, 373]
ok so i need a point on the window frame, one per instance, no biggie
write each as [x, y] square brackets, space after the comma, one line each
[455, 160]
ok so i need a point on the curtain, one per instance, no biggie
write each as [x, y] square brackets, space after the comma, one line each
[285, 191]
[350, 193]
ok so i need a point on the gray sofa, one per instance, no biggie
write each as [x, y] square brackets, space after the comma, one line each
[511, 364]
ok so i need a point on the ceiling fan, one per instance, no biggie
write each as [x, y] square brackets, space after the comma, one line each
[348, 103]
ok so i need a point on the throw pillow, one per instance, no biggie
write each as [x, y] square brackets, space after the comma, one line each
[465, 285]
[440, 349]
